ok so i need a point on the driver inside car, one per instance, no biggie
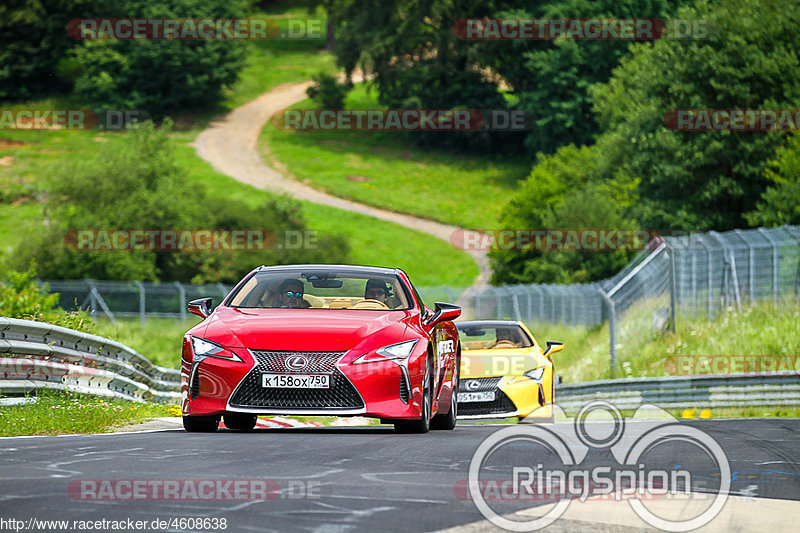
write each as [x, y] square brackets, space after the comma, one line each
[506, 338]
[376, 290]
[290, 295]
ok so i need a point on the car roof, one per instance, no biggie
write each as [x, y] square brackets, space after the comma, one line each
[355, 269]
[487, 323]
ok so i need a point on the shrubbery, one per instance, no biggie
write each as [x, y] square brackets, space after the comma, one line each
[138, 186]
[22, 297]
[327, 92]
[161, 77]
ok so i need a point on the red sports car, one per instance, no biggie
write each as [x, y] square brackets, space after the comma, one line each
[321, 340]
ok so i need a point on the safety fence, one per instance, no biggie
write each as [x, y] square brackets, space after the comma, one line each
[114, 299]
[696, 275]
[779, 389]
[38, 355]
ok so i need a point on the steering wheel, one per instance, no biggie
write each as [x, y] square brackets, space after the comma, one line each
[504, 344]
[368, 303]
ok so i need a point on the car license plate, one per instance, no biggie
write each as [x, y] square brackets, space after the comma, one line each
[486, 396]
[295, 381]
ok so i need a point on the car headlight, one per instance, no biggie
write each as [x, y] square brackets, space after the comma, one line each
[206, 348]
[392, 352]
[535, 374]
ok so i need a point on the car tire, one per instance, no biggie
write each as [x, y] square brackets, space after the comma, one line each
[240, 421]
[424, 423]
[201, 424]
[448, 420]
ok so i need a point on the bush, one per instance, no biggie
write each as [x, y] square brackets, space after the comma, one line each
[138, 186]
[22, 297]
[327, 92]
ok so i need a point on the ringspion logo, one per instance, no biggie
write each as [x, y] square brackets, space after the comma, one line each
[548, 463]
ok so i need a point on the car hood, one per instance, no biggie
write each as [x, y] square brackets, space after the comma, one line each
[503, 362]
[305, 329]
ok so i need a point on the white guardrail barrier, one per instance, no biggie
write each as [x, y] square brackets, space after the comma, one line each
[36, 355]
[684, 392]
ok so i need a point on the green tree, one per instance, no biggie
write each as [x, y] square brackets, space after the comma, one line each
[703, 180]
[160, 76]
[573, 189]
[33, 41]
[780, 203]
[552, 78]
[419, 62]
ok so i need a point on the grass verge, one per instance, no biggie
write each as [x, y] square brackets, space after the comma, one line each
[426, 259]
[64, 413]
[760, 329]
[387, 170]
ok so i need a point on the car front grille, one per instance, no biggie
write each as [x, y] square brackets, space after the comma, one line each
[502, 404]
[341, 394]
[483, 384]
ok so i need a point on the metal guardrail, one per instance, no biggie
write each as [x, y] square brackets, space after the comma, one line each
[685, 392]
[46, 356]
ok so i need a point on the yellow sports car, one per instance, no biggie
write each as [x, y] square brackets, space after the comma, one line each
[504, 371]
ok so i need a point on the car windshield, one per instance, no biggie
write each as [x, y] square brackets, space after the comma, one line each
[322, 290]
[492, 337]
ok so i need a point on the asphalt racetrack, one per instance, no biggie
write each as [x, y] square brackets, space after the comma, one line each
[331, 479]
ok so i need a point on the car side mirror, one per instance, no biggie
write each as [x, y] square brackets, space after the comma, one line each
[443, 312]
[200, 307]
[553, 347]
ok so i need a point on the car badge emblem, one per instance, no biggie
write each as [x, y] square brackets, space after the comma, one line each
[296, 363]
[473, 384]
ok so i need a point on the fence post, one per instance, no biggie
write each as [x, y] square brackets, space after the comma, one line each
[142, 302]
[774, 245]
[673, 286]
[612, 325]
[97, 298]
[710, 278]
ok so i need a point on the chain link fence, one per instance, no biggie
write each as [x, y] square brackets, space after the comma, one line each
[115, 299]
[687, 276]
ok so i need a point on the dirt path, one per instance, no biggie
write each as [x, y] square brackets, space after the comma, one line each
[230, 146]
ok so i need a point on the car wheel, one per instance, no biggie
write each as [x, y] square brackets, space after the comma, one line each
[424, 423]
[200, 424]
[449, 419]
[240, 421]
